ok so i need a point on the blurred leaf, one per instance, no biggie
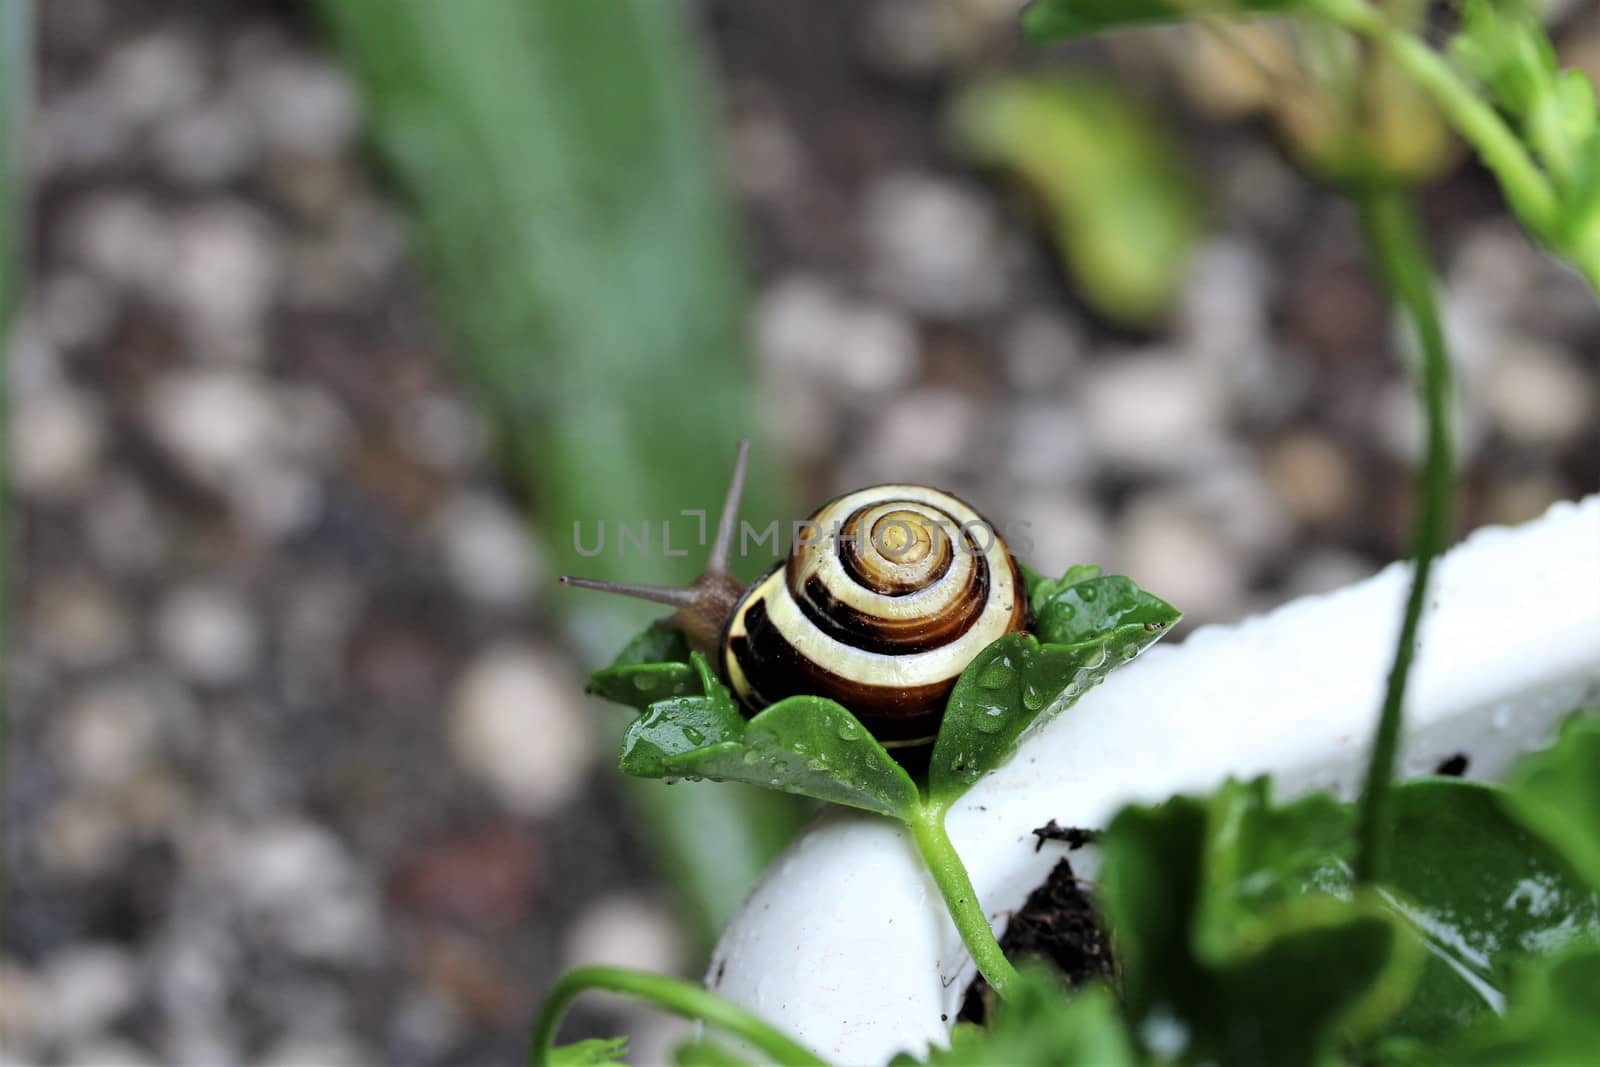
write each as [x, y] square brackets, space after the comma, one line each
[1122, 209]
[1557, 793]
[1483, 893]
[1048, 21]
[1038, 1024]
[1553, 1018]
[1230, 953]
[595, 1052]
[653, 666]
[563, 184]
[702, 1053]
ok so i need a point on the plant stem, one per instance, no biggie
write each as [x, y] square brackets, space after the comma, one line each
[950, 874]
[1397, 247]
[673, 994]
[1526, 187]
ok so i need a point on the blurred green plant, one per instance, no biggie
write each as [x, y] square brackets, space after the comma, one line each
[1123, 210]
[564, 189]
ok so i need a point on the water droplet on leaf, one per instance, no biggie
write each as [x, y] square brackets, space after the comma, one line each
[996, 675]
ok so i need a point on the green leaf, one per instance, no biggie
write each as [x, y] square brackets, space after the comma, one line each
[1122, 208]
[1230, 950]
[1040, 1024]
[595, 1052]
[1557, 793]
[703, 1053]
[653, 666]
[1553, 1017]
[678, 725]
[1018, 681]
[1047, 21]
[1482, 893]
[813, 747]
[1075, 609]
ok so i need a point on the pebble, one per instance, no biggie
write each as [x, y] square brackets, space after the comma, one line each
[1322, 570]
[922, 435]
[1151, 412]
[107, 735]
[1312, 477]
[57, 438]
[766, 158]
[487, 550]
[807, 328]
[302, 884]
[1049, 445]
[153, 76]
[88, 987]
[1537, 396]
[626, 931]
[209, 143]
[73, 309]
[445, 433]
[1517, 500]
[122, 238]
[1052, 531]
[79, 622]
[224, 270]
[1235, 499]
[207, 631]
[518, 726]
[303, 104]
[1042, 352]
[1168, 549]
[934, 245]
[123, 529]
[214, 423]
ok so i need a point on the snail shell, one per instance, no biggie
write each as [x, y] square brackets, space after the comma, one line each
[882, 610]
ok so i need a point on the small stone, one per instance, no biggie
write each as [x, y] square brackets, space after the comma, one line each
[517, 726]
[1152, 412]
[1537, 395]
[1165, 547]
[1050, 445]
[445, 433]
[107, 735]
[123, 529]
[23, 1006]
[90, 986]
[276, 498]
[123, 238]
[79, 622]
[214, 423]
[1054, 531]
[766, 158]
[323, 1050]
[302, 883]
[1042, 352]
[934, 245]
[224, 267]
[1312, 477]
[1322, 570]
[1515, 501]
[807, 328]
[208, 144]
[153, 76]
[207, 631]
[302, 104]
[924, 433]
[487, 550]
[626, 931]
[56, 443]
[74, 309]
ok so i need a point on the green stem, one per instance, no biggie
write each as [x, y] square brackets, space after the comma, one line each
[950, 875]
[673, 994]
[1526, 187]
[1402, 259]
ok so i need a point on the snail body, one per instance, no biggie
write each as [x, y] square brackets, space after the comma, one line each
[881, 610]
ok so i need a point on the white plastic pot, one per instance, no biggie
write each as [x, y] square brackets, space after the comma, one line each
[845, 942]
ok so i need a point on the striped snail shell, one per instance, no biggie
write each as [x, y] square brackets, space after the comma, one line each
[881, 609]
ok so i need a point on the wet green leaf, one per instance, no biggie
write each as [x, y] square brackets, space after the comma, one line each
[595, 1052]
[1230, 951]
[1552, 1019]
[1482, 893]
[1122, 209]
[1019, 680]
[1084, 608]
[815, 748]
[678, 725]
[653, 666]
[1557, 793]
[1048, 21]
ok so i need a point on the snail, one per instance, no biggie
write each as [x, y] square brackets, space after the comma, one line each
[881, 610]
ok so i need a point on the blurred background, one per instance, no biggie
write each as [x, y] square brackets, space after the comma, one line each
[340, 315]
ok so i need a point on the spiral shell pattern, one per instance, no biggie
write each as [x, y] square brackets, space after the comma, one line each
[894, 592]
